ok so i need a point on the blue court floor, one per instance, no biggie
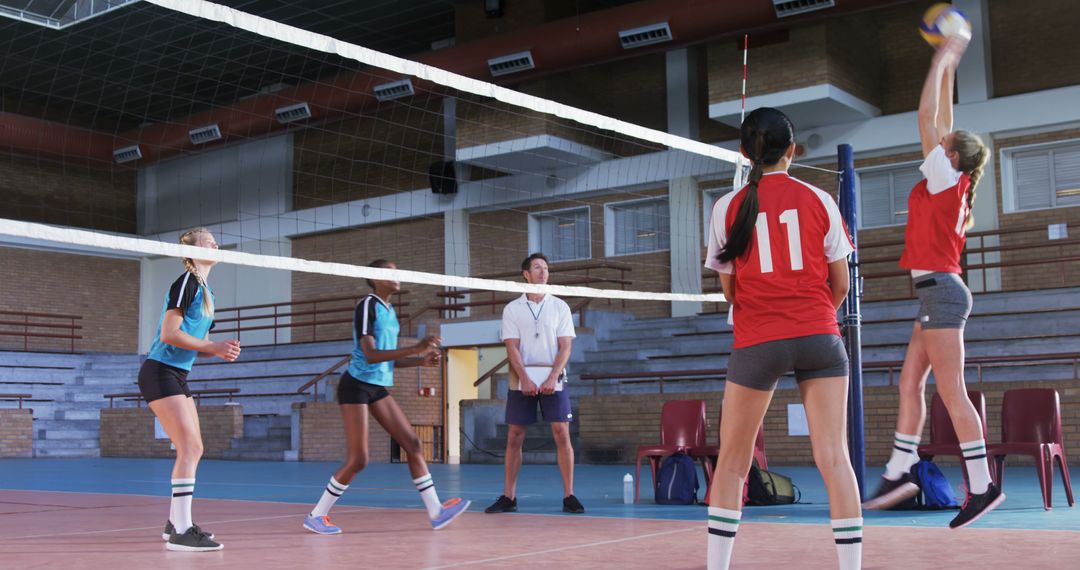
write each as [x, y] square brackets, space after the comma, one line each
[539, 490]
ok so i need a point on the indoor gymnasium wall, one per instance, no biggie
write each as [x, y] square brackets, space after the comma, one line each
[1023, 61]
[16, 433]
[100, 289]
[415, 245]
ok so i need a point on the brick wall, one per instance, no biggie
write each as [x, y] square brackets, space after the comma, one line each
[99, 289]
[613, 426]
[67, 193]
[500, 240]
[1042, 275]
[322, 435]
[1033, 45]
[16, 433]
[129, 432]
[416, 245]
[381, 153]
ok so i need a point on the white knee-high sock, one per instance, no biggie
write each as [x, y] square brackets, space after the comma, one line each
[848, 536]
[904, 455]
[329, 497]
[723, 523]
[426, 486]
[180, 506]
[977, 469]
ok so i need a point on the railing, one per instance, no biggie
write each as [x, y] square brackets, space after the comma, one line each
[308, 314]
[576, 274]
[889, 366]
[314, 382]
[19, 397]
[22, 320]
[887, 264]
[197, 394]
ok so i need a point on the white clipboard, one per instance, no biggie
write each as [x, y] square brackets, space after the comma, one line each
[539, 374]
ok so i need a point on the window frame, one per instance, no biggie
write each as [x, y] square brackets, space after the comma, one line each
[859, 172]
[1010, 197]
[609, 225]
[534, 231]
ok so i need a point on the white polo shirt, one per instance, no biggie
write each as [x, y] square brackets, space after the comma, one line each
[538, 327]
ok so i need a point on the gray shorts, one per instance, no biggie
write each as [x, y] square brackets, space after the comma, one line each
[944, 301]
[760, 366]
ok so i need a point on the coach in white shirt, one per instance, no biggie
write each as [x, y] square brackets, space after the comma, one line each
[538, 331]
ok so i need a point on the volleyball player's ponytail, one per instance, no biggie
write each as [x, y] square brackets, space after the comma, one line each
[973, 155]
[191, 237]
[766, 135]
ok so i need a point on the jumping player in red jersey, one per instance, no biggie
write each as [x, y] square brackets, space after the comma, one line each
[780, 248]
[939, 213]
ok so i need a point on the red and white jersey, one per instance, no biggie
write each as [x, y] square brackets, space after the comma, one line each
[937, 212]
[781, 280]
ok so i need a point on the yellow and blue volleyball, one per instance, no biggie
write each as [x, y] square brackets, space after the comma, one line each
[942, 21]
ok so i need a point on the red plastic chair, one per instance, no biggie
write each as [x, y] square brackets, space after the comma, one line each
[943, 438]
[708, 454]
[1031, 425]
[682, 427]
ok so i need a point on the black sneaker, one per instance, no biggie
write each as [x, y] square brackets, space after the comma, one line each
[890, 492]
[193, 540]
[169, 529]
[503, 504]
[978, 505]
[571, 504]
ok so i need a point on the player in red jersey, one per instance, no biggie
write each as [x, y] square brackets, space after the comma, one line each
[939, 213]
[781, 251]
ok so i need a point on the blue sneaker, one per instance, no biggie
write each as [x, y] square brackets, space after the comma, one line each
[320, 525]
[450, 511]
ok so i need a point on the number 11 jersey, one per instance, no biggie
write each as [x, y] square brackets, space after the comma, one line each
[782, 279]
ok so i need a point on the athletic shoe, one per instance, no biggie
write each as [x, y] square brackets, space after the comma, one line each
[450, 510]
[320, 525]
[169, 530]
[571, 504]
[890, 493]
[192, 540]
[503, 504]
[978, 505]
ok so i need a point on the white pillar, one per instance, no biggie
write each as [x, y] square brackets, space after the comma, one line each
[684, 195]
[974, 78]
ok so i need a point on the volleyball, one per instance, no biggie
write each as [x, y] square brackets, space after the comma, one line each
[942, 21]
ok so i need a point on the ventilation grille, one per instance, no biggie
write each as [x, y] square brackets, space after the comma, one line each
[793, 7]
[294, 112]
[205, 134]
[512, 63]
[394, 90]
[645, 35]
[127, 154]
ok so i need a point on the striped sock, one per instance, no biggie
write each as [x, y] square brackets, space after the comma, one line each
[723, 524]
[329, 497]
[904, 455]
[848, 535]
[426, 486]
[180, 507]
[978, 471]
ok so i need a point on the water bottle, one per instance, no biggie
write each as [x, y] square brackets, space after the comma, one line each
[628, 489]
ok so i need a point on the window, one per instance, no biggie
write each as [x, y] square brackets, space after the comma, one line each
[883, 194]
[709, 200]
[1042, 176]
[562, 235]
[636, 227]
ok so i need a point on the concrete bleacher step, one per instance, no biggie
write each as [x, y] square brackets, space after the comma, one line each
[266, 438]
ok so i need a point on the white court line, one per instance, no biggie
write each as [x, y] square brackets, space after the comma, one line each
[565, 548]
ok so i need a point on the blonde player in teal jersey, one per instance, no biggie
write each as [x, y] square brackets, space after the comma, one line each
[363, 389]
[183, 333]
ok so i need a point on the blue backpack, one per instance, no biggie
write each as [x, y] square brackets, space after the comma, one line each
[677, 483]
[936, 491]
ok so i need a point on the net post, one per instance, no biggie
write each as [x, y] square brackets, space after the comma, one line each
[852, 319]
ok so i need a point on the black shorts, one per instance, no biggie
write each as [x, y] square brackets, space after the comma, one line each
[352, 391]
[158, 380]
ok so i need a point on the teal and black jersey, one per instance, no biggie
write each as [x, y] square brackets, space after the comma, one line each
[376, 319]
[186, 295]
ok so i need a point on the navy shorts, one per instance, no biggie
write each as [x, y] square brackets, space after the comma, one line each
[521, 409]
[353, 391]
[158, 380]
